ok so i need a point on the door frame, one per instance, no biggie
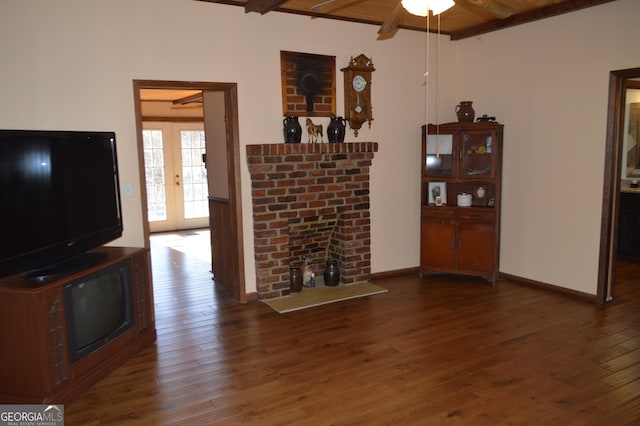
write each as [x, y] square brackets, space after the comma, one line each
[230, 91]
[611, 191]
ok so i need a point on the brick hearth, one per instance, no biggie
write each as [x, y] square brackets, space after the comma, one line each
[312, 200]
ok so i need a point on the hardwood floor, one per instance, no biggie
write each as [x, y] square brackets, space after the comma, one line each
[442, 350]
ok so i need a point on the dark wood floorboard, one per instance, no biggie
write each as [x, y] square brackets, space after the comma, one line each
[441, 350]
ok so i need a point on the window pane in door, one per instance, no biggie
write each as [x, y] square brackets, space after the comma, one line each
[194, 174]
[155, 176]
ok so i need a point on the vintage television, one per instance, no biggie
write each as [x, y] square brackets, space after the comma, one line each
[60, 198]
[99, 307]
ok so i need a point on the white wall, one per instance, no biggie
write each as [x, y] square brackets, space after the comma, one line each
[547, 81]
[69, 64]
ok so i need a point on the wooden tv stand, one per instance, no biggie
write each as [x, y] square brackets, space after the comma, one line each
[34, 354]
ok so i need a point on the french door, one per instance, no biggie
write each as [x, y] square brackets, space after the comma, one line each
[176, 177]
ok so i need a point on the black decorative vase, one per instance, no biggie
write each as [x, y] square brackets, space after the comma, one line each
[336, 130]
[332, 273]
[295, 279]
[292, 130]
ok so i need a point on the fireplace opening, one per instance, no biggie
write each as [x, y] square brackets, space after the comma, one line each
[312, 240]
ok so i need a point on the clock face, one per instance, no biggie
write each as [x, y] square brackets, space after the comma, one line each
[359, 83]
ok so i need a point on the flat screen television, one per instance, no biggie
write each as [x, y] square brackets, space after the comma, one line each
[59, 198]
[99, 308]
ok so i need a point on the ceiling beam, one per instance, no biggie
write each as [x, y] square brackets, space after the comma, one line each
[525, 17]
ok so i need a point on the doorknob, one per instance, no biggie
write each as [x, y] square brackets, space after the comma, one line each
[177, 180]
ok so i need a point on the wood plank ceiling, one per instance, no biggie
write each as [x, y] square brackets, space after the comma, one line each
[468, 18]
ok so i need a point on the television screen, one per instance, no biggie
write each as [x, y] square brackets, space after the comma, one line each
[98, 308]
[59, 193]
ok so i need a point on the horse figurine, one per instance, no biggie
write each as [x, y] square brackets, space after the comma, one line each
[314, 130]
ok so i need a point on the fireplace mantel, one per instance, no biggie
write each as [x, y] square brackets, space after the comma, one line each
[311, 148]
[300, 186]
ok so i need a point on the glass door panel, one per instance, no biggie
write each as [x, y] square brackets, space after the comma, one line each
[439, 157]
[476, 155]
[194, 174]
[154, 171]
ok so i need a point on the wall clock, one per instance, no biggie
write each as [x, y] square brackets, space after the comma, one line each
[357, 92]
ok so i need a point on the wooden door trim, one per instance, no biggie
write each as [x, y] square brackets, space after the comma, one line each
[230, 91]
[611, 189]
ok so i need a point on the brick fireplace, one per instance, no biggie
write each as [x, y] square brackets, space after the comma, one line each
[311, 200]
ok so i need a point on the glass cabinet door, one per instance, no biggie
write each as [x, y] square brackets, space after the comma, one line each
[439, 158]
[477, 157]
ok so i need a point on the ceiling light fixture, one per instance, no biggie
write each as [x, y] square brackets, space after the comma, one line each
[422, 7]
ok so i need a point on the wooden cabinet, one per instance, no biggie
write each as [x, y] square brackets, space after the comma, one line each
[34, 340]
[460, 220]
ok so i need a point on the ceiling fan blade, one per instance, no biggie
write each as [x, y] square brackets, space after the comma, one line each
[261, 6]
[323, 4]
[389, 27]
[496, 8]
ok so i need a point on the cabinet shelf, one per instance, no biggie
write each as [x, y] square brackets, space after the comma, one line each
[457, 239]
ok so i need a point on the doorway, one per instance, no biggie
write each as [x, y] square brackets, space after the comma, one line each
[618, 83]
[227, 240]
